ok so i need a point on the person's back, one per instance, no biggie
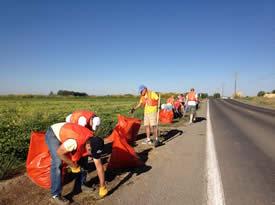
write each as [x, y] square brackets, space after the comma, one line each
[191, 99]
[84, 118]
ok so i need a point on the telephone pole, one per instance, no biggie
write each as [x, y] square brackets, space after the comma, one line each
[222, 89]
[235, 87]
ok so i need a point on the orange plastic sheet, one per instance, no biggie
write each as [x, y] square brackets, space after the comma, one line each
[166, 116]
[123, 155]
[39, 160]
[127, 127]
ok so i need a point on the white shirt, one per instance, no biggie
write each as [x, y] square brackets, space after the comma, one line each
[69, 144]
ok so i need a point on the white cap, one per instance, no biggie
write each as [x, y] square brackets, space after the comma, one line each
[96, 123]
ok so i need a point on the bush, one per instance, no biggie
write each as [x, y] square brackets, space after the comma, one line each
[273, 91]
[203, 95]
[217, 95]
[261, 93]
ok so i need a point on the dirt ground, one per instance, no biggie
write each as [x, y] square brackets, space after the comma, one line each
[21, 190]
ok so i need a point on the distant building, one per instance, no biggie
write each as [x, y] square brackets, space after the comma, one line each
[269, 95]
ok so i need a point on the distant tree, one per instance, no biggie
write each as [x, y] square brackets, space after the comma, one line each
[217, 95]
[273, 91]
[71, 93]
[203, 95]
[51, 93]
[261, 93]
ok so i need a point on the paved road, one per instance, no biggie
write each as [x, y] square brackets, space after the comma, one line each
[177, 176]
[245, 145]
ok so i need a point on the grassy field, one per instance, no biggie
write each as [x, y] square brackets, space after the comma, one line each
[19, 115]
[259, 101]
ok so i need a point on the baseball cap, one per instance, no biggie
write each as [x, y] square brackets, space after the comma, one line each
[96, 123]
[97, 146]
[141, 88]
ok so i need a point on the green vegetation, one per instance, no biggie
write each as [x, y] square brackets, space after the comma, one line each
[259, 101]
[19, 115]
[261, 93]
[217, 95]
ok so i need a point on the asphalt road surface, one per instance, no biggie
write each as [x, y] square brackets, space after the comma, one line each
[245, 145]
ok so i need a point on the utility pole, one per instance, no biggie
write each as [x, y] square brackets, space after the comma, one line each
[222, 89]
[235, 88]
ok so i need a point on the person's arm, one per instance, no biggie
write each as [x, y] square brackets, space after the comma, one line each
[100, 171]
[61, 152]
[136, 107]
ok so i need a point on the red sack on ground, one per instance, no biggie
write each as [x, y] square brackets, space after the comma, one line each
[39, 160]
[166, 116]
[128, 127]
[123, 155]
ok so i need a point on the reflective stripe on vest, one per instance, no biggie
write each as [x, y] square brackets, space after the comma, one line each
[77, 114]
[80, 134]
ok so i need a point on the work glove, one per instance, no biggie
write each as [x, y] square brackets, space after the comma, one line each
[75, 169]
[132, 110]
[103, 191]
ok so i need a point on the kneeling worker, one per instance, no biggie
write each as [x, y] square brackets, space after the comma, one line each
[70, 142]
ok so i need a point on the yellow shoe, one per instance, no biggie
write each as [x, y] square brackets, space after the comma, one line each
[103, 191]
[75, 170]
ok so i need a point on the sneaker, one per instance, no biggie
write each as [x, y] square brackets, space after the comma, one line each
[146, 141]
[157, 143]
[85, 188]
[59, 200]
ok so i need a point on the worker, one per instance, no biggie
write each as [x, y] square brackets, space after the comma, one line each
[69, 142]
[84, 118]
[191, 101]
[149, 99]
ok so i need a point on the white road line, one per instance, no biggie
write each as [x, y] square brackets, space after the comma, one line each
[215, 194]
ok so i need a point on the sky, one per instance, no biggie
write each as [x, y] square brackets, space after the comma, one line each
[111, 47]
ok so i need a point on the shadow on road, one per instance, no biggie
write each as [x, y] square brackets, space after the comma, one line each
[112, 174]
[199, 119]
[170, 135]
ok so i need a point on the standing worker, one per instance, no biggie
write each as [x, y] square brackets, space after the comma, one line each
[191, 99]
[149, 99]
[69, 142]
[84, 118]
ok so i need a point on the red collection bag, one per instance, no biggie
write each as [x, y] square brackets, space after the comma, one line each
[127, 127]
[166, 116]
[39, 160]
[123, 155]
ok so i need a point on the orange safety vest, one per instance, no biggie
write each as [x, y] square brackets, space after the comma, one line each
[80, 134]
[192, 96]
[148, 101]
[85, 113]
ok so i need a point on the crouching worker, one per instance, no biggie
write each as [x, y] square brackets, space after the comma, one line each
[70, 142]
[84, 118]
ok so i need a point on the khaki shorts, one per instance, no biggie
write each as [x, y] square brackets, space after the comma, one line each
[150, 119]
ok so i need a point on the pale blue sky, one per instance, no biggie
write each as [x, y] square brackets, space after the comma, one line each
[111, 47]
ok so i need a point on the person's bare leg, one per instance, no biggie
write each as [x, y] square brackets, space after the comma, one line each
[148, 132]
[191, 118]
[155, 131]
